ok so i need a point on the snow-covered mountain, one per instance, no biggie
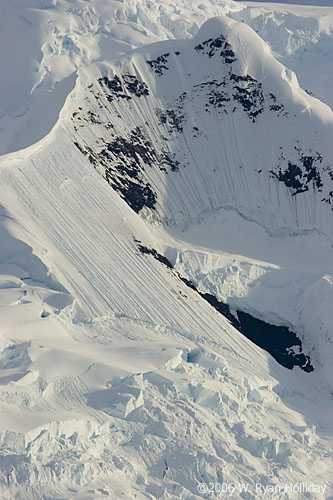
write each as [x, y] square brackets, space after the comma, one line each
[166, 213]
[187, 131]
[225, 116]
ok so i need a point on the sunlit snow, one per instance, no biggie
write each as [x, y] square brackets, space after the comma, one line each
[201, 130]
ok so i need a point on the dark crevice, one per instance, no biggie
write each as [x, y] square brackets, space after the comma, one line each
[279, 341]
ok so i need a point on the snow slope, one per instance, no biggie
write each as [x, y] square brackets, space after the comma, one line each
[58, 37]
[300, 38]
[219, 129]
[153, 394]
[117, 379]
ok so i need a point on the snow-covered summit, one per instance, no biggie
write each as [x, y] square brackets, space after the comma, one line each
[54, 39]
[220, 101]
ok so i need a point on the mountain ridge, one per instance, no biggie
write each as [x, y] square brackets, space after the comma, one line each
[119, 376]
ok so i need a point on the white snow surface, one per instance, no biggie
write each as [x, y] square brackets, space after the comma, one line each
[116, 379]
[58, 37]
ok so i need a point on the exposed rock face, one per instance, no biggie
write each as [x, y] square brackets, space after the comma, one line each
[191, 113]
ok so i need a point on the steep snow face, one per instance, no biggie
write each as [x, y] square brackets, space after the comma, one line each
[55, 38]
[223, 136]
[121, 381]
[116, 377]
[182, 130]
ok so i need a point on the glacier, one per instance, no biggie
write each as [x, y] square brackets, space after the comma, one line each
[198, 131]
